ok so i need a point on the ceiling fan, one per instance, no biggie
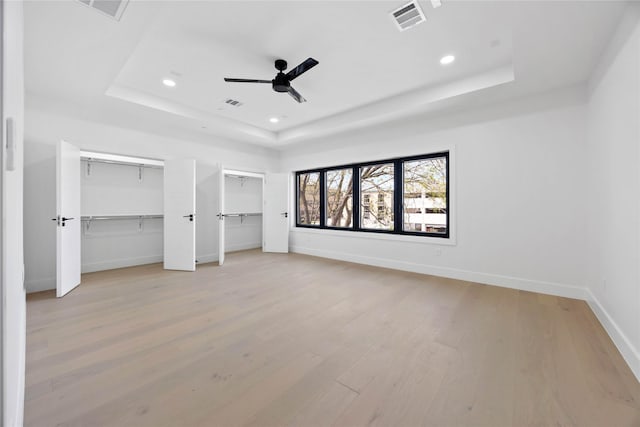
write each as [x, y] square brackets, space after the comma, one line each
[282, 81]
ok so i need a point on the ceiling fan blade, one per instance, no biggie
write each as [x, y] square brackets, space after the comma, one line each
[302, 68]
[226, 79]
[295, 95]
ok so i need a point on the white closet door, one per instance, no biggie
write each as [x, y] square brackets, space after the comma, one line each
[180, 214]
[67, 218]
[221, 208]
[276, 215]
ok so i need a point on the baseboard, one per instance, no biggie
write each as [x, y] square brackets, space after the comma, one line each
[206, 258]
[120, 263]
[242, 246]
[549, 288]
[40, 285]
[628, 351]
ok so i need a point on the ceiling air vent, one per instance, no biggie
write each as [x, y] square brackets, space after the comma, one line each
[408, 16]
[112, 8]
[233, 102]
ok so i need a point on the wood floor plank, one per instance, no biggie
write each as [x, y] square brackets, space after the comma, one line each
[293, 340]
[324, 409]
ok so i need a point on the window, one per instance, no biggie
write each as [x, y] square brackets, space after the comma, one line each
[425, 195]
[377, 181]
[339, 191]
[309, 198]
[398, 196]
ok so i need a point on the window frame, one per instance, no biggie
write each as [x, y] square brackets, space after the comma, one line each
[398, 196]
[324, 199]
[297, 201]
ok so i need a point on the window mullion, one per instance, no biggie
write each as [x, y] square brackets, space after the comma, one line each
[297, 198]
[397, 196]
[323, 198]
[448, 195]
[356, 198]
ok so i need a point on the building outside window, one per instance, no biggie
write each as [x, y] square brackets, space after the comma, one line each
[377, 182]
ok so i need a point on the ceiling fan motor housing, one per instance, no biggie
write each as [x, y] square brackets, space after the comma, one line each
[281, 83]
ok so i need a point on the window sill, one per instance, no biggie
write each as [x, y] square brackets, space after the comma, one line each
[377, 236]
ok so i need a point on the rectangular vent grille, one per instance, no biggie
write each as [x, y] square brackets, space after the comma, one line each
[233, 102]
[112, 8]
[408, 16]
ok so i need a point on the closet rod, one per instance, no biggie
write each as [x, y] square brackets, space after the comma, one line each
[243, 214]
[115, 162]
[104, 217]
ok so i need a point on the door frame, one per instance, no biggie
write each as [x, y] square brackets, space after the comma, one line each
[241, 173]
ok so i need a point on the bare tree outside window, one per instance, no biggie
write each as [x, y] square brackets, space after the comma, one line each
[376, 182]
[339, 198]
[309, 198]
[425, 195]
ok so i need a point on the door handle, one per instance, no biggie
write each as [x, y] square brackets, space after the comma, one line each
[190, 216]
[64, 219]
[286, 214]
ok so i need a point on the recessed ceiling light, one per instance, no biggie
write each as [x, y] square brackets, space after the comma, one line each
[445, 60]
[169, 82]
[274, 120]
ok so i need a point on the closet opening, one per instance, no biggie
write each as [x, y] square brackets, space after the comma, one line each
[241, 211]
[115, 211]
[121, 205]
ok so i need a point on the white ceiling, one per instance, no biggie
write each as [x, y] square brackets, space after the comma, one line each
[368, 72]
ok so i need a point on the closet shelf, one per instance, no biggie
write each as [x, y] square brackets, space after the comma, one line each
[107, 217]
[122, 162]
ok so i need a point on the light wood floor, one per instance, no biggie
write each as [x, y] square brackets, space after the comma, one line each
[291, 340]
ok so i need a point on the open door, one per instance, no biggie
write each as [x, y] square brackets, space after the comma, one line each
[180, 214]
[276, 213]
[221, 196]
[67, 218]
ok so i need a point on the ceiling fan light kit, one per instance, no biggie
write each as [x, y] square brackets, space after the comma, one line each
[282, 82]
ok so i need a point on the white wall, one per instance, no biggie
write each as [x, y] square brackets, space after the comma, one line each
[614, 190]
[243, 195]
[13, 296]
[43, 129]
[517, 189]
